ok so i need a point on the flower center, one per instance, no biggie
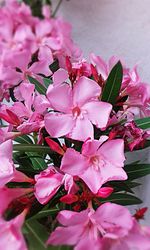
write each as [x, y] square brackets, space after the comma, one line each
[95, 161]
[76, 111]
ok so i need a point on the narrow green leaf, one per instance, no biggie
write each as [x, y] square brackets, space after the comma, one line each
[47, 82]
[38, 86]
[37, 162]
[36, 235]
[122, 199]
[137, 171]
[23, 139]
[54, 66]
[31, 148]
[45, 213]
[143, 123]
[113, 84]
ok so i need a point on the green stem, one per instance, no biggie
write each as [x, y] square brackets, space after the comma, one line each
[57, 7]
[31, 148]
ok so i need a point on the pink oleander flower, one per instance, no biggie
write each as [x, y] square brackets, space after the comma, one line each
[134, 137]
[23, 36]
[88, 228]
[98, 163]
[137, 238]
[77, 110]
[10, 234]
[27, 113]
[49, 181]
[6, 163]
[7, 170]
[7, 195]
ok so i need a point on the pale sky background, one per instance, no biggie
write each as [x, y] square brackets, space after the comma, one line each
[115, 27]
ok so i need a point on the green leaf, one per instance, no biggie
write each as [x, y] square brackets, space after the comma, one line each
[38, 86]
[47, 82]
[37, 162]
[44, 213]
[23, 139]
[54, 66]
[113, 84]
[122, 199]
[31, 148]
[36, 235]
[143, 123]
[137, 171]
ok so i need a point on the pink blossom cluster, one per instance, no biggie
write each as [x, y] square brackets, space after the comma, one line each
[63, 138]
[28, 44]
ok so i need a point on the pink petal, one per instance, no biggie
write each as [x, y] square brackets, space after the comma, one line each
[46, 188]
[110, 173]
[60, 76]
[84, 90]
[65, 235]
[60, 98]
[70, 218]
[98, 112]
[88, 244]
[6, 150]
[58, 124]
[112, 148]
[114, 218]
[43, 28]
[93, 179]
[73, 162]
[90, 147]
[82, 130]
[100, 65]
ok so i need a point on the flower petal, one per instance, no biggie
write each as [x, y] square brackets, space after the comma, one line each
[84, 90]
[82, 130]
[98, 112]
[60, 98]
[58, 124]
[73, 162]
[113, 151]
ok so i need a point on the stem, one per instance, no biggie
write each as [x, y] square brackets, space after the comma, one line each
[57, 7]
[31, 148]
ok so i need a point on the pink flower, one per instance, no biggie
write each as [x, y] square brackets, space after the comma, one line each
[10, 234]
[49, 181]
[88, 228]
[78, 109]
[21, 114]
[7, 171]
[7, 168]
[97, 164]
[7, 195]
[137, 238]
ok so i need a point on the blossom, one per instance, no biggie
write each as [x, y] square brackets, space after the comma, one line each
[7, 168]
[24, 37]
[137, 238]
[88, 228]
[77, 109]
[21, 114]
[103, 161]
[10, 234]
[49, 181]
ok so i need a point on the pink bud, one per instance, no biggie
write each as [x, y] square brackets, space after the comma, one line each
[54, 146]
[69, 198]
[104, 192]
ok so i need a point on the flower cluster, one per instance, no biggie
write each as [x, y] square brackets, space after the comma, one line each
[63, 139]
[28, 44]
